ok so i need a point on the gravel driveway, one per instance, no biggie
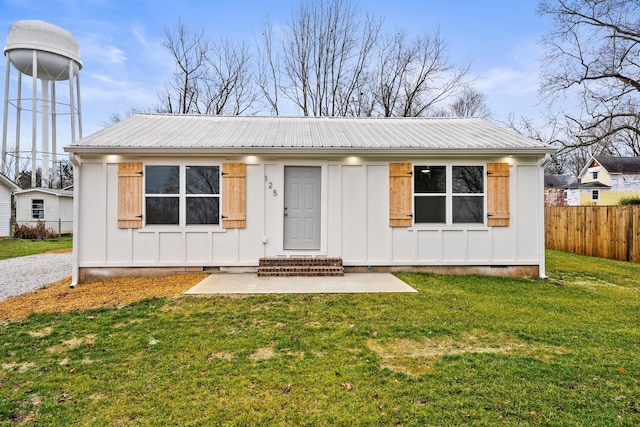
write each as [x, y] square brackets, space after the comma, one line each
[27, 273]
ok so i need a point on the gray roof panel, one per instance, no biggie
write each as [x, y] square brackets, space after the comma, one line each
[188, 132]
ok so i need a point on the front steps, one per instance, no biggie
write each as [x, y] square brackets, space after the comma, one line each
[300, 266]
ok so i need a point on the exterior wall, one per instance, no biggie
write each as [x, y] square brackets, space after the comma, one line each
[603, 176]
[607, 197]
[58, 210]
[5, 210]
[554, 197]
[355, 222]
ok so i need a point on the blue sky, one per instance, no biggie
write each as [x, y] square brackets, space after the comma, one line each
[125, 65]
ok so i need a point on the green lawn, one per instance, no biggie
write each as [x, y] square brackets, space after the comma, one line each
[463, 351]
[11, 248]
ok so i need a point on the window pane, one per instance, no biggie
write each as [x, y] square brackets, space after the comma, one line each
[162, 179]
[203, 180]
[162, 210]
[203, 210]
[430, 209]
[468, 209]
[468, 179]
[430, 179]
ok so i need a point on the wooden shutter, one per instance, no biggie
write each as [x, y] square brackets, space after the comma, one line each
[130, 195]
[234, 182]
[400, 184]
[498, 194]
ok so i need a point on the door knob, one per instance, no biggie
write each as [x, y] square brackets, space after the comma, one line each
[285, 211]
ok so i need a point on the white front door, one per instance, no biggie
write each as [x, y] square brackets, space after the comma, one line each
[302, 207]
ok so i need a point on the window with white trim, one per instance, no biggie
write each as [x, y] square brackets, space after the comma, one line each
[594, 175]
[37, 208]
[449, 194]
[182, 195]
[595, 194]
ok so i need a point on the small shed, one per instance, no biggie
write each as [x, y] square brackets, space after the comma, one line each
[50, 206]
[7, 187]
[214, 193]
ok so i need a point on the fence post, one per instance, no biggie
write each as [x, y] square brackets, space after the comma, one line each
[59, 228]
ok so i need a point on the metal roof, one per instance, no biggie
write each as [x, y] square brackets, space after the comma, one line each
[53, 191]
[8, 183]
[249, 134]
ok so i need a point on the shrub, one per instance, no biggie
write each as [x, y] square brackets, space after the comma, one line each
[633, 200]
[37, 232]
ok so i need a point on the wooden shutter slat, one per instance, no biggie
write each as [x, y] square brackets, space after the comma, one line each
[400, 184]
[234, 178]
[130, 195]
[498, 194]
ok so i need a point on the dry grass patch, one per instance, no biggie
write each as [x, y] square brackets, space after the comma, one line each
[72, 343]
[18, 367]
[42, 332]
[419, 357]
[59, 297]
[263, 353]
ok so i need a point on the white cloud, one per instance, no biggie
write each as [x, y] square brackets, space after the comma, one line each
[508, 81]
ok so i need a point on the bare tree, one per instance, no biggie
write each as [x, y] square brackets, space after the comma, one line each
[227, 87]
[208, 78]
[189, 52]
[594, 50]
[414, 75]
[470, 103]
[326, 50]
[268, 70]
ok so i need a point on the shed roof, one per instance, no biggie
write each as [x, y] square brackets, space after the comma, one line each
[52, 191]
[560, 181]
[8, 183]
[248, 134]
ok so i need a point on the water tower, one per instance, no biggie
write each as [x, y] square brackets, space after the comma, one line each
[48, 54]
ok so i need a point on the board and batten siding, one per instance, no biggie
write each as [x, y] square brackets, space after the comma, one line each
[355, 222]
[5, 210]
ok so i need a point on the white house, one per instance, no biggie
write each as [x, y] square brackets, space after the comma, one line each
[7, 187]
[52, 207]
[212, 192]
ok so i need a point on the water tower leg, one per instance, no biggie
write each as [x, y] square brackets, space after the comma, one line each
[79, 106]
[34, 117]
[18, 119]
[5, 118]
[54, 133]
[45, 132]
[71, 106]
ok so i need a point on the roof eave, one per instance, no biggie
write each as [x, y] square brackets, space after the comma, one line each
[314, 151]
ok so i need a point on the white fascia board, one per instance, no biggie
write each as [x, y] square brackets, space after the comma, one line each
[315, 152]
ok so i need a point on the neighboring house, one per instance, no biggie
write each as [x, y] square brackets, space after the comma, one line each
[561, 190]
[6, 188]
[606, 180]
[52, 207]
[215, 192]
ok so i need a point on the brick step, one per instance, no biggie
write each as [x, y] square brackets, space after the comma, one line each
[297, 270]
[301, 262]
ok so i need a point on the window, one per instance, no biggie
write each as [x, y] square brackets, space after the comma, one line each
[177, 195]
[448, 194]
[37, 208]
[595, 194]
[594, 175]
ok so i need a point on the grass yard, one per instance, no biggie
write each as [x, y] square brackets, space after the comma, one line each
[11, 248]
[463, 351]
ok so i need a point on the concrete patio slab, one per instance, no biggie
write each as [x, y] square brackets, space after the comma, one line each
[250, 283]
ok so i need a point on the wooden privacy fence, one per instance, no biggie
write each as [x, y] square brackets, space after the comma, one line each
[601, 231]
